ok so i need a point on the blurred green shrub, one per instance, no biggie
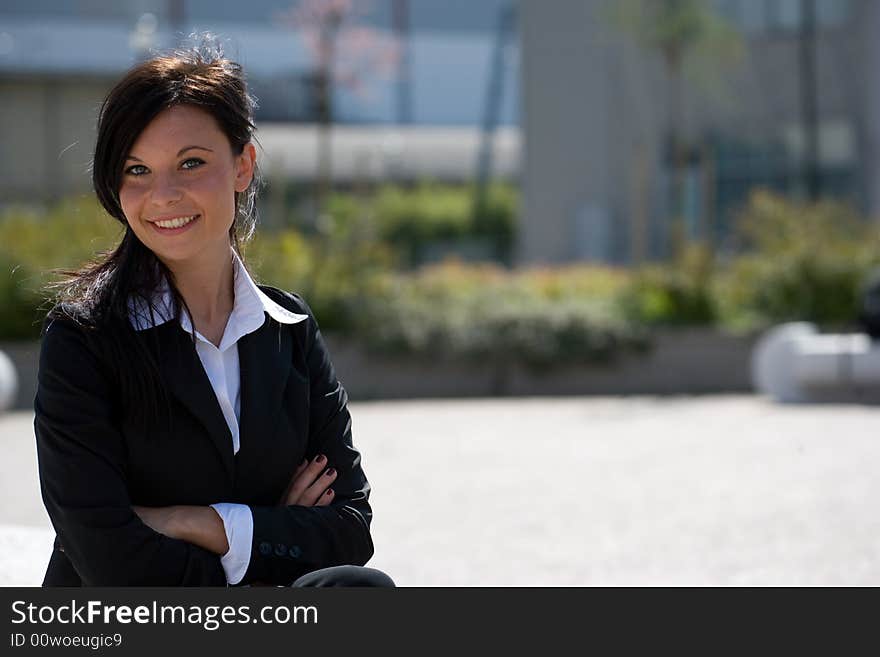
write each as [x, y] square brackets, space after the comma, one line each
[797, 262]
[411, 220]
[484, 313]
[20, 301]
[680, 293]
[337, 273]
[802, 262]
[33, 243]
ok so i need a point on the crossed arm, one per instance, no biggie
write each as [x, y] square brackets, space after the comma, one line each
[202, 526]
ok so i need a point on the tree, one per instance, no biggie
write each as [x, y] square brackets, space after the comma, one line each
[683, 32]
[343, 52]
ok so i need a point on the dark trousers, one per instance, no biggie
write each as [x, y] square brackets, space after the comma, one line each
[339, 576]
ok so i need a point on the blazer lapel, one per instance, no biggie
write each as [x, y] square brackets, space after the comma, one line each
[264, 358]
[186, 379]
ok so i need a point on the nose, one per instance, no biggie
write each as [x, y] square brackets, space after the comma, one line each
[165, 190]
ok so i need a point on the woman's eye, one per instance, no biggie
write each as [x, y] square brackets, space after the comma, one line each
[192, 163]
[136, 170]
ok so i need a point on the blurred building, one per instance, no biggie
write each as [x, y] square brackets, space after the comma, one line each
[601, 177]
[798, 110]
[58, 59]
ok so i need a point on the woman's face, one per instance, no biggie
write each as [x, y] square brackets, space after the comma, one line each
[178, 186]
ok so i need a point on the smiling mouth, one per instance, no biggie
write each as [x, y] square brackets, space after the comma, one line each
[177, 222]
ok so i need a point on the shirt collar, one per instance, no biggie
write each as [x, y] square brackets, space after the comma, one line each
[249, 308]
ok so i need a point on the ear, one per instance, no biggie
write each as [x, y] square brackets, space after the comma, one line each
[244, 167]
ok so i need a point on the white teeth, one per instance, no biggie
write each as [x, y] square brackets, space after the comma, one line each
[175, 223]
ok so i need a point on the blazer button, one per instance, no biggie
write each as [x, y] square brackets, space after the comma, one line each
[280, 550]
[295, 551]
[265, 548]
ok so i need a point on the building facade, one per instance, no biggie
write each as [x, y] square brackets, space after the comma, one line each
[599, 106]
[58, 60]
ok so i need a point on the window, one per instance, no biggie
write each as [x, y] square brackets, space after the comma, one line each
[763, 16]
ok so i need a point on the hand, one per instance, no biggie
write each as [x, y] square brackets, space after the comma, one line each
[309, 485]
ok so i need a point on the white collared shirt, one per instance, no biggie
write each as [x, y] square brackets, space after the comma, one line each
[222, 367]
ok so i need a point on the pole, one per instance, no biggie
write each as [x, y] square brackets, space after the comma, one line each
[400, 19]
[809, 100]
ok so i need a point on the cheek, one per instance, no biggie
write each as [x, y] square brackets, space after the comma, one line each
[217, 191]
[221, 183]
[130, 199]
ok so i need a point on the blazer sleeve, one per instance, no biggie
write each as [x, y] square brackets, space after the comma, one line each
[82, 467]
[289, 541]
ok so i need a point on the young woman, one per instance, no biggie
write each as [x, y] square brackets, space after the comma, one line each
[190, 427]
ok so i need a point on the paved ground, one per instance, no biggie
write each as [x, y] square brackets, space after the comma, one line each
[582, 491]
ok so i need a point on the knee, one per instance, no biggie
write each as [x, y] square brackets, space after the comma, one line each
[344, 576]
[374, 577]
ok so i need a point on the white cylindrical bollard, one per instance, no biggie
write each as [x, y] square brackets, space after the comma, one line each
[8, 383]
[792, 362]
[773, 361]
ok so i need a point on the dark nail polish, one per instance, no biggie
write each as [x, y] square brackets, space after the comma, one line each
[331, 472]
[319, 458]
[329, 491]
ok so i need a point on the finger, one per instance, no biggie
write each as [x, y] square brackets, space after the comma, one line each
[305, 474]
[305, 479]
[314, 492]
[283, 498]
[326, 498]
[299, 470]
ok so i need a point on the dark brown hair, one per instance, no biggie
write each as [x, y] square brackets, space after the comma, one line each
[99, 294]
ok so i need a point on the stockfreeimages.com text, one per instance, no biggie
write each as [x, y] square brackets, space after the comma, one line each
[210, 617]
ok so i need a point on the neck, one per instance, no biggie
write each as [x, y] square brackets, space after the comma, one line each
[207, 288]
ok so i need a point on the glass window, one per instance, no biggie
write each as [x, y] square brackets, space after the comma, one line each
[833, 13]
[753, 15]
[788, 14]
[84, 9]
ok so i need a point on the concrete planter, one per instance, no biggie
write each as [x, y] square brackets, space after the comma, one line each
[686, 361]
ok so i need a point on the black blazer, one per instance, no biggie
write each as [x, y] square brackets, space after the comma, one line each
[95, 463]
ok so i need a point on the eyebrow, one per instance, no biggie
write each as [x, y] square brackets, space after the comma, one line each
[179, 153]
